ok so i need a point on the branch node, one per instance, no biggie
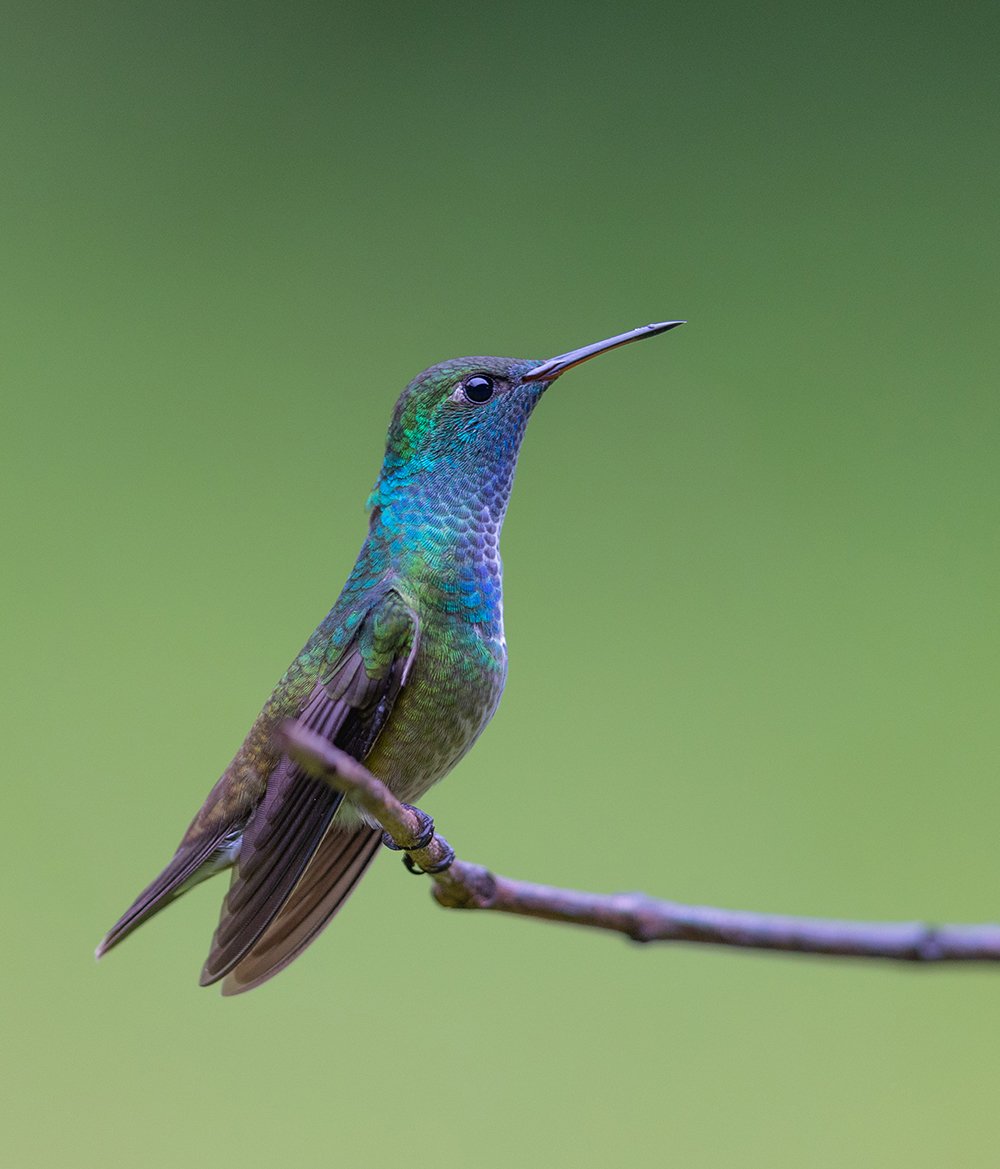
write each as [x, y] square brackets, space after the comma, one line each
[639, 915]
[465, 886]
[930, 946]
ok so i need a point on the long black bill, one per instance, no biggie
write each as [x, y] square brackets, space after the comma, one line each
[556, 365]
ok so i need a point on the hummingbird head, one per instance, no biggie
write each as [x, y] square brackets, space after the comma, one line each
[440, 499]
[465, 418]
[470, 411]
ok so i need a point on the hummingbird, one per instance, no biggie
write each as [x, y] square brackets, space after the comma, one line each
[403, 673]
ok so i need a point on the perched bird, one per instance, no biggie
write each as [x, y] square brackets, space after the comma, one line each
[404, 672]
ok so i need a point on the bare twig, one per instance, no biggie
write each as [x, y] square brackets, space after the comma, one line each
[642, 918]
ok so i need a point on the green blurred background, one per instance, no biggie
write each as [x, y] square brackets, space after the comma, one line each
[751, 566]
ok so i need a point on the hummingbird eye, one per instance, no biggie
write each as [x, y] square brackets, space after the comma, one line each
[478, 388]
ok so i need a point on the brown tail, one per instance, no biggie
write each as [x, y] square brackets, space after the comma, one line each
[334, 870]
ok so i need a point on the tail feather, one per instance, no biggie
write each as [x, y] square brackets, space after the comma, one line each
[331, 876]
[192, 863]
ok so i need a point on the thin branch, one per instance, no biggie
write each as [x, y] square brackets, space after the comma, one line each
[644, 919]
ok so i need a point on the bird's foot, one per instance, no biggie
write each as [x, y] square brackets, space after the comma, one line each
[424, 836]
[446, 861]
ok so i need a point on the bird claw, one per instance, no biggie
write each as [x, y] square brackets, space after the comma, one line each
[446, 861]
[424, 836]
[411, 866]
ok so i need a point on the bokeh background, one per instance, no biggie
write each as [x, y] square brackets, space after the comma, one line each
[751, 566]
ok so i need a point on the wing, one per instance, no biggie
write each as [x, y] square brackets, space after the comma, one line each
[349, 707]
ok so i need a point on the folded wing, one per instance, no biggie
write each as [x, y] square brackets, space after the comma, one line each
[296, 866]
